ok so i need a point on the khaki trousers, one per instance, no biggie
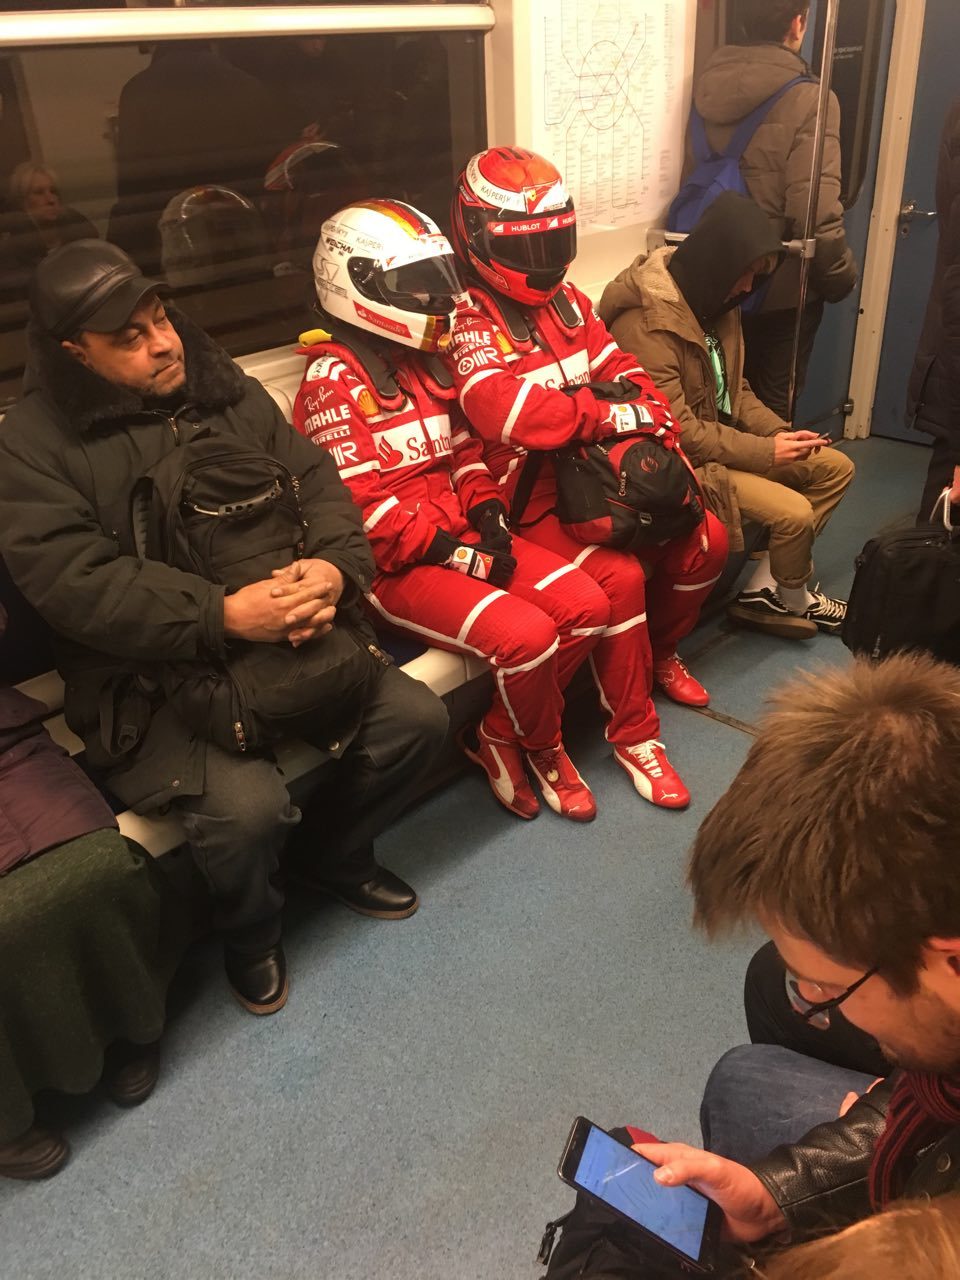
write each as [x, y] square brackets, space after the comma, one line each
[794, 501]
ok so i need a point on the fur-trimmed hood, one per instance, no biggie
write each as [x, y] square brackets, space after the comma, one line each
[647, 285]
[83, 400]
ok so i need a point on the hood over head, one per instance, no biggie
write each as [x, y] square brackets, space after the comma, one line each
[731, 234]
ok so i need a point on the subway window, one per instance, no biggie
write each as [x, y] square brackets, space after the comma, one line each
[213, 163]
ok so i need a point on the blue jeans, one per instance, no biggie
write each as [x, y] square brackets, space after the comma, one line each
[760, 1095]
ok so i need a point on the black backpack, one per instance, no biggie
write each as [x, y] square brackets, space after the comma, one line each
[906, 593]
[629, 492]
[230, 513]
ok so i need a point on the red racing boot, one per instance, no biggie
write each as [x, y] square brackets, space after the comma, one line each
[653, 775]
[677, 683]
[502, 762]
[563, 789]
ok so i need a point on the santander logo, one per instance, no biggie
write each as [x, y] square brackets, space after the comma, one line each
[382, 322]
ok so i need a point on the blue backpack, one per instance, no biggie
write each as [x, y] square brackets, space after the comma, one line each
[716, 172]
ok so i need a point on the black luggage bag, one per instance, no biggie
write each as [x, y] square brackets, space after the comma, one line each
[906, 592]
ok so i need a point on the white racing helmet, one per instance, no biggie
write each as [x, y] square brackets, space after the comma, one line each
[383, 266]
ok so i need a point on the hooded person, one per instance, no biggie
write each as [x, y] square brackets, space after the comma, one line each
[677, 310]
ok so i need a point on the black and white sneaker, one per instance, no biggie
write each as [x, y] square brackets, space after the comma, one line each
[765, 611]
[828, 614]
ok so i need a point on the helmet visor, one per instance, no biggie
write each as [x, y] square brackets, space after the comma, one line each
[545, 244]
[428, 286]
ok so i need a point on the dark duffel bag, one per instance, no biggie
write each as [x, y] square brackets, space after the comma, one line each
[906, 592]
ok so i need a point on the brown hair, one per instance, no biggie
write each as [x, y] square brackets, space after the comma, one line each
[769, 19]
[843, 823]
[918, 1241]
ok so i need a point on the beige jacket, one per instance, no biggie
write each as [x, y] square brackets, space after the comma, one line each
[647, 315]
[776, 163]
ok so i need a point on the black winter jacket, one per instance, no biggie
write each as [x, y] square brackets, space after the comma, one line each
[71, 450]
[933, 397]
[820, 1182]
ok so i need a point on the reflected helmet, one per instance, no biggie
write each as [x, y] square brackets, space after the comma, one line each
[387, 268]
[514, 224]
[208, 234]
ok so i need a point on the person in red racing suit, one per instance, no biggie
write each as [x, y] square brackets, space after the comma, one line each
[449, 571]
[528, 336]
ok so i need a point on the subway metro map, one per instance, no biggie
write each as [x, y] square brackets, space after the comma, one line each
[608, 103]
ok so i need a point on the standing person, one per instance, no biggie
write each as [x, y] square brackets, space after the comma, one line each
[776, 169]
[677, 310]
[117, 387]
[519, 362]
[933, 395]
[377, 397]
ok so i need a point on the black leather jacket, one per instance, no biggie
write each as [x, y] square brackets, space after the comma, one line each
[820, 1182]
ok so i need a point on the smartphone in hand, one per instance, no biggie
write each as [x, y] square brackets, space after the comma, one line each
[679, 1224]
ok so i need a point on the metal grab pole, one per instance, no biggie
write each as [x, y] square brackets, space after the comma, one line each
[813, 195]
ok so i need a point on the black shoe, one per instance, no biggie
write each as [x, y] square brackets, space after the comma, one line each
[765, 611]
[38, 1153]
[828, 613]
[258, 979]
[385, 896]
[131, 1071]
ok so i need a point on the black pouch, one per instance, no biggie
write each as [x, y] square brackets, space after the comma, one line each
[264, 692]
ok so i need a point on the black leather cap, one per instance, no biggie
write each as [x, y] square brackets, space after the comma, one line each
[86, 284]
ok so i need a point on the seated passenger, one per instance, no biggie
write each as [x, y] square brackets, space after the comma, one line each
[676, 309]
[850, 868]
[517, 361]
[175, 676]
[37, 222]
[49, 807]
[448, 570]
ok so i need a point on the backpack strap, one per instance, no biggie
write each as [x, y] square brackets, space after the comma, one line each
[749, 124]
[532, 465]
[702, 151]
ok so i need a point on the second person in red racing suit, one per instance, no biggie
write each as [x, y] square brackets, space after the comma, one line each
[516, 360]
[377, 397]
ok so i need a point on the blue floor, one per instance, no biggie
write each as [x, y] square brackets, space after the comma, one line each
[403, 1116]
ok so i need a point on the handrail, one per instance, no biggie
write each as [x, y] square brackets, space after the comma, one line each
[131, 26]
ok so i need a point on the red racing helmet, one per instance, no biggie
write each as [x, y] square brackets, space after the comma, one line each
[514, 224]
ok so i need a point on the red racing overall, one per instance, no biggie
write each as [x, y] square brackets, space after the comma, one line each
[414, 468]
[509, 388]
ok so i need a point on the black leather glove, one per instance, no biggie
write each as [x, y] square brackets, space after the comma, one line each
[485, 563]
[490, 521]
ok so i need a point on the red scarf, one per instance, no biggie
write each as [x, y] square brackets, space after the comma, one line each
[923, 1108]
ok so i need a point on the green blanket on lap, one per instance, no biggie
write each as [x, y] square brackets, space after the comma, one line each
[90, 936]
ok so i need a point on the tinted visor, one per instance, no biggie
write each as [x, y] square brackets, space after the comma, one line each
[428, 286]
[534, 245]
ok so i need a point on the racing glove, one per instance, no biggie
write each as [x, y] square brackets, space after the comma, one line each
[495, 567]
[490, 521]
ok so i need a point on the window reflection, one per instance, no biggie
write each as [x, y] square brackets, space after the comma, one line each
[214, 163]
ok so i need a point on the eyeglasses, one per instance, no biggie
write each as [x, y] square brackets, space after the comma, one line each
[817, 1012]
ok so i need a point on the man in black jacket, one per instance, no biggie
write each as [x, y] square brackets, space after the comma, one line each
[933, 396]
[852, 873]
[115, 383]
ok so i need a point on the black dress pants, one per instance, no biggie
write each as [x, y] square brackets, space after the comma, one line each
[771, 1020]
[237, 829]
